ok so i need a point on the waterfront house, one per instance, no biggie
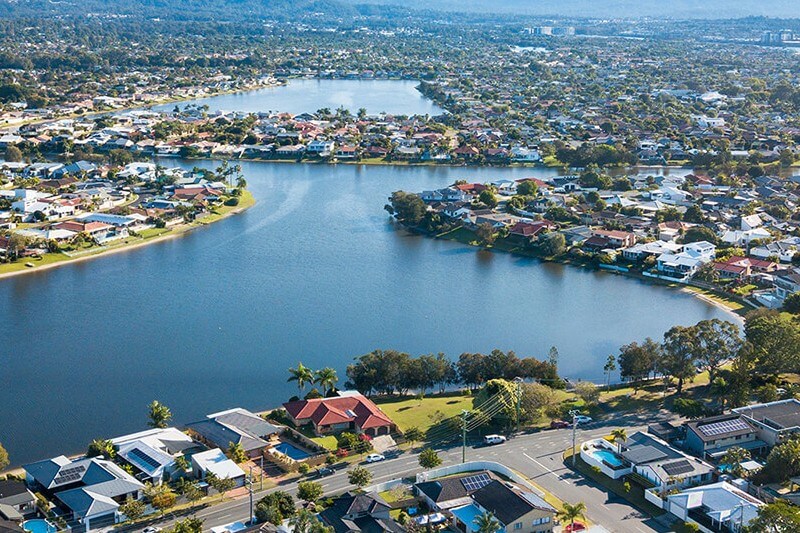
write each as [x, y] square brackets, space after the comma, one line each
[350, 411]
[686, 263]
[516, 509]
[640, 251]
[616, 239]
[351, 513]
[239, 426]
[152, 453]
[774, 421]
[217, 463]
[16, 501]
[88, 492]
[714, 436]
[717, 507]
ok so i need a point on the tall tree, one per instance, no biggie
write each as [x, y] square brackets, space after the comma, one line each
[302, 375]
[326, 378]
[608, 368]
[717, 342]
[159, 414]
[309, 491]
[428, 458]
[680, 354]
[619, 436]
[777, 517]
[734, 458]
[571, 512]
[486, 523]
[359, 476]
[773, 342]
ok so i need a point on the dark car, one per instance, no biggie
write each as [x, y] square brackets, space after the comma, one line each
[324, 471]
[559, 424]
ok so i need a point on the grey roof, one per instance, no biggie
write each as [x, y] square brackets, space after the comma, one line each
[446, 489]
[362, 512]
[720, 427]
[506, 504]
[14, 492]
[235, 425]
[783, 414]
[643, 454]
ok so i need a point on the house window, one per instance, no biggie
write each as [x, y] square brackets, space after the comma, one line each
[518, 525]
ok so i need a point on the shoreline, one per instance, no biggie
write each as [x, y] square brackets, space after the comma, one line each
[736, 314]
[173, 233]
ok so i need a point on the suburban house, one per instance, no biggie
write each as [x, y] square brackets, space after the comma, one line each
[359, 512]
[16, 501]
[774, 421]
[717, 507]
[350, 411]
[153, 452]
[648, 459]
[239, 426]
[639, 252]
[449, 492]
[217, 463]
[616, 239]
[514, 508]
[713, 436]
[687, 262]
[88, 491]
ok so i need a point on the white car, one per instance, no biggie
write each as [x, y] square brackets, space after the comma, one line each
[375, 457]
[151, 529]
[494, 439]
[583, 419]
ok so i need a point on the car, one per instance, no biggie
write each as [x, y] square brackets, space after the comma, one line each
[151, 529]
[559, 424]
[493, 439]
[324, 471]
[375, 457]
[583, 419]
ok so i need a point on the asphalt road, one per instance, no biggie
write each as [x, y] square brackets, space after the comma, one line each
[537, 456]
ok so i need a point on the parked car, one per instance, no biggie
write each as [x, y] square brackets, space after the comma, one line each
[324, 471]
[583, 419]
[151, 529]
[494, 439]
[559, 424]
[375, 457]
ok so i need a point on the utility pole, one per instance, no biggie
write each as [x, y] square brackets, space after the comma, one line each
[261, 467]
[464, 414]
[250, 491]
[574, 415]
[519, 380]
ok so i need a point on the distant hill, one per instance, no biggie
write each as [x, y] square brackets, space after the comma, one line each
[710, 9]
[223, 10]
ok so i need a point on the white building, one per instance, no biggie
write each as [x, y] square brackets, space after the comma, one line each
[215, 462]
[722, 506]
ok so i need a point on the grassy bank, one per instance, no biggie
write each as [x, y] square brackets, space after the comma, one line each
[148, 236]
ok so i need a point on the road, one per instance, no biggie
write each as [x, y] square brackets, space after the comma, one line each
[538, 456]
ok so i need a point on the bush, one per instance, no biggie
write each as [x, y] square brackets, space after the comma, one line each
[232, 202]
[303, 468]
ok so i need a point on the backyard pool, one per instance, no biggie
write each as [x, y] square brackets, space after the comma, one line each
[39, 526]
[608, 457]
[292, 451]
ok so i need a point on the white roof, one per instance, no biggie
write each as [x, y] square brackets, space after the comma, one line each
[217, 463]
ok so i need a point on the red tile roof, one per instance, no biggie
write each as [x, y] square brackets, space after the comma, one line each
[338, 410]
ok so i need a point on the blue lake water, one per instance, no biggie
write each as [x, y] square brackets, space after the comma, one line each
[309, 95]
[315, 272]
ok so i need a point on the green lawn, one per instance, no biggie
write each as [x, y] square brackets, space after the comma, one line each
[46, 259]
[411, 412]
[328, 442]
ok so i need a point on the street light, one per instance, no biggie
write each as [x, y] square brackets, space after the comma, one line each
[574, 415]
[518, 380]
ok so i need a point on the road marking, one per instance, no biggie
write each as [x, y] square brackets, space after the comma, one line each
[547, 469]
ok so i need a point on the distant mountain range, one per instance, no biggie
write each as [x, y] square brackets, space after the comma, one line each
[286, 9]
[708, 9]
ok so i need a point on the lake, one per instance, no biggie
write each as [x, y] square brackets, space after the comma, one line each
[315, 272]
[308, 95]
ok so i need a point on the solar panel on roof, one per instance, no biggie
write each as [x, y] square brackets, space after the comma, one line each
[678, 467]
[476, 482]
[143, 458]
[722, 427]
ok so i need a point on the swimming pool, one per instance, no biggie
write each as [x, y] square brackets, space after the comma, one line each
[608, 457]
[292, 451]
[39, 526]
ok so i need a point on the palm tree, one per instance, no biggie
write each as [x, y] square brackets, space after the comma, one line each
[570, 512]
[734, 458]
[302, 375]
[619, 437]
[326, 378]
[486, 523]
